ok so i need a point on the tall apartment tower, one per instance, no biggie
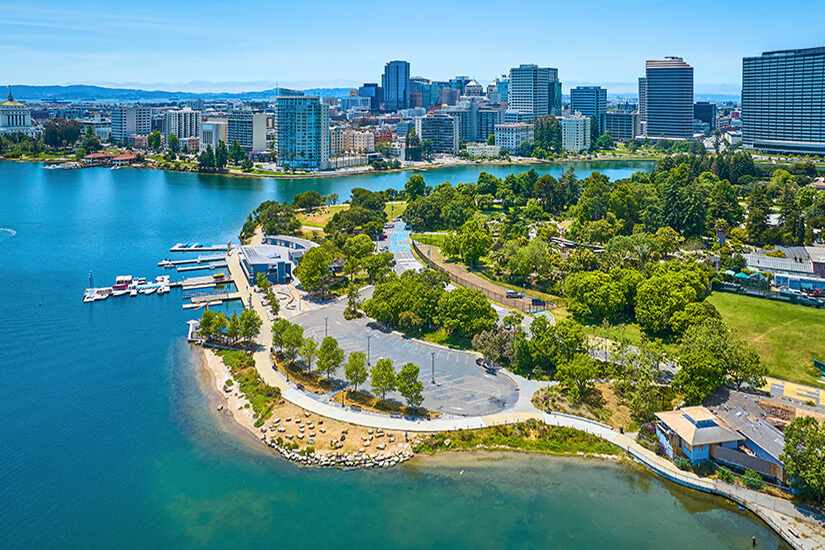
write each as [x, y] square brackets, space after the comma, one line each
[396, 85]
[783, 101]
[590, 101]
[129, 120]
[534, 92]
[301, 131]
[184, 123]
[642, 99]
[669, 98]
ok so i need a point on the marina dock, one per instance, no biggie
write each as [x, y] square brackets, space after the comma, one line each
[216, 265]
[198, 260]
[199, 247]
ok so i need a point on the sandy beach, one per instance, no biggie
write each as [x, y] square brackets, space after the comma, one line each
[296, 425]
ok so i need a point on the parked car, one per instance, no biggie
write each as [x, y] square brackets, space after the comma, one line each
[388, 226]
[408, 227]
[382, 237]
[513, 294]
[384, 248]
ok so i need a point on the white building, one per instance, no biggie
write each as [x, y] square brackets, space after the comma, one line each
[212, 132]
[534, 91]
[510, 136]
[248, 129]
[575, 133]
[184, 123]
[301, 132]
[15, 117]
[482, 150]
[130, 120]
[358, 142]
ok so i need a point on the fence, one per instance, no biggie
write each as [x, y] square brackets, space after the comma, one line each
[490, 290]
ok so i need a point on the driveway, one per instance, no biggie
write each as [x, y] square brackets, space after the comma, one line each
[461, 387]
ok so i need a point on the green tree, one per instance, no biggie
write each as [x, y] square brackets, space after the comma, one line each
[236, 152]
[279, 329]
[377, 266]
[409, 386]
[153, 140]
[308, 200]
[382, 377]
[206, 160]
[415, 187]
[576, 376]
[804, 455]
[292, 339]
[491, 139]
[330, 356]
[314, 270]
[605, 141]
[61, 132]
[233, 330]
[308, 351]
[357, 248]
[172, 143]
[759, 207]
[250, 325]
[221, 155]
[465, 312]
[356, 369]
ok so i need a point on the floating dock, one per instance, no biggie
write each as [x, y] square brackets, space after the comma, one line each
[199, 247]
[198, 260]
[216, 265]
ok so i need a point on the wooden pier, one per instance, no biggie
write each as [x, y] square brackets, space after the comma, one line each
[185, 247]
[216, 265]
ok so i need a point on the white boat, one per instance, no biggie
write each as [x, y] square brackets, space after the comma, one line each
[133, 292]
[120, 292]
[162, 279]
[163, 290]
[148, 290]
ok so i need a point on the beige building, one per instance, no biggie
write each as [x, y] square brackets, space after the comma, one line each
[359, 142]
[336, 141]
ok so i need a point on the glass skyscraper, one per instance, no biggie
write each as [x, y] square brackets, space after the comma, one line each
[591, 101]
[669, 99]
[783, 101]
[396, 85]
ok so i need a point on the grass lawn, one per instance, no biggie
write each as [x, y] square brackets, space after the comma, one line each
[320, 216]
[395, 208]
[787, 337]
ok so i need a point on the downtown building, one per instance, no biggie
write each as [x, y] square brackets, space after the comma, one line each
[575, 133]
[441, 130]
[301, 132]
[783, 102]
[590, 101]
[130, 120]
[533, 92]
[248, 128]
[395, 83]
[668, 102]
[510, 136]
[184, 123]
[622, 125]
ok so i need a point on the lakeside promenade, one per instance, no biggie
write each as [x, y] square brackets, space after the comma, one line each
[799, 527]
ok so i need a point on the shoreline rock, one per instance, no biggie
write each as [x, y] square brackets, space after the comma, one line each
[345, 461]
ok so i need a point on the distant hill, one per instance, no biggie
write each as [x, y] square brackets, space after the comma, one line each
[83, 93]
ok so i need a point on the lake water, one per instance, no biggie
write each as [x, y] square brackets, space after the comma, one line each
[106, 439]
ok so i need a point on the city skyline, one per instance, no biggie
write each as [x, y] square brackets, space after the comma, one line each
[158, 44]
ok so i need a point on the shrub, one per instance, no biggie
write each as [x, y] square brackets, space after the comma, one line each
[753, 480]
[726, 475]
[682, 463]
[230, 383]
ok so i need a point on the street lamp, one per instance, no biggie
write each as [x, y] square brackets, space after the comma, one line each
[432, 354]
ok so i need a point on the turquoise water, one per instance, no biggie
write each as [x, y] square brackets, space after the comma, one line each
[107, 440]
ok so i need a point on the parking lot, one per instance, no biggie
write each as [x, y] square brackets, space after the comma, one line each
[461, 386]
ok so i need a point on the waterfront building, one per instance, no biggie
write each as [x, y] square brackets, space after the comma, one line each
[482, 150]
[402, 128]
[692, 431]
[705, 112]
[486, 120]
[190, 144]
[129, 120]
[510, 136]
[441, 130]
[669, 99]
[590, 101]
[622, 125]
[575, 133]
[184, 123]
[396, 85]
[16, 118]
[783, 101]
[276, 259]
[248, 128]
[355, 141]
[534, 91]
[465, 113]
[212, 132]
[301, 132]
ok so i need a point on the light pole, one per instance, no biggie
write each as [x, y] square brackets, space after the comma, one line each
[368, 349]
[432, 354]
[325, 326]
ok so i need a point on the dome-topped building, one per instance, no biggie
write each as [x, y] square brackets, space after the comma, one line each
[16, 117]
[473, 88]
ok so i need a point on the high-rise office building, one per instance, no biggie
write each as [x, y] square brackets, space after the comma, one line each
[184, 123]
[669, 98]
[534, 92]
[622, 125]
[301, 132]
[783, 101]
[130, 120]
[591, 101]
[374, 92]
[705, 112]
[442, 130]
[396, 85]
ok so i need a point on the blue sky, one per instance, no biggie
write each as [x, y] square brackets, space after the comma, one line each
[250, 45]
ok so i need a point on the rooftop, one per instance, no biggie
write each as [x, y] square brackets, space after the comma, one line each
[680, 422]
[769, 263]
[264, 254]
[757, 430]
